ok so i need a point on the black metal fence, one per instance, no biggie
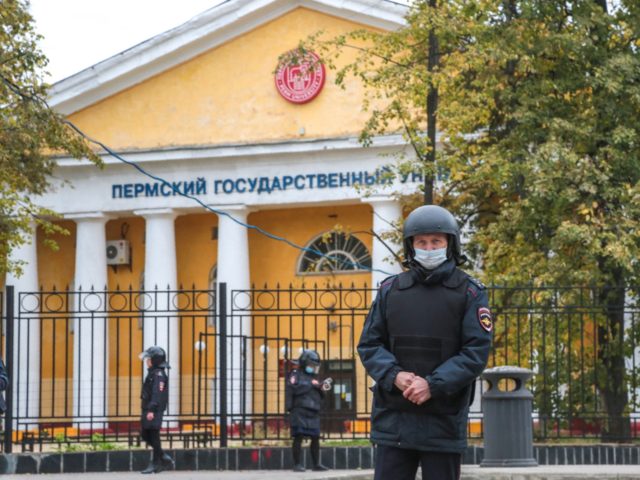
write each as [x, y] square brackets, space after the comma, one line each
[583, 343]
[78, 378]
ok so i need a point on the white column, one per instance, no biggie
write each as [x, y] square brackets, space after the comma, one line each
[386, 212]
[26, 359]
[160, 282]
[90, 335]
[233, 269]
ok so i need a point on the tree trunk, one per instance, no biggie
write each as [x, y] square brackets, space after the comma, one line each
[611, 364]
[432, 109]
[610, 353]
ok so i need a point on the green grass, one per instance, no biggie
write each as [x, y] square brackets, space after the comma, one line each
[346, 443]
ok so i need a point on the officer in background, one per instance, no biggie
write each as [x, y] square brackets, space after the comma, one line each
[426, 339]
[303, 399]
[155, 394]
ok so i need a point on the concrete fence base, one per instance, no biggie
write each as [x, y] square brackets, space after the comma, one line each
[279, 458]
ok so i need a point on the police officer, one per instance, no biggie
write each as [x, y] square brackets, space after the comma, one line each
[155, 393]
[426, 339]
[303, 399]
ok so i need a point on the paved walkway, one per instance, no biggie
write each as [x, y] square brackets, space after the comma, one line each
[553, 472]
[469, 472]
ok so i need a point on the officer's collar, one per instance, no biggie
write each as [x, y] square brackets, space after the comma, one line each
[418, 274]
[440, 273]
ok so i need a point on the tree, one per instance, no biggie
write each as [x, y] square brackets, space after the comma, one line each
[29, 133]
[539, 122]
[560, 159]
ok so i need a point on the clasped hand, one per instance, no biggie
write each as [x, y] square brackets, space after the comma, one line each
[413, 387]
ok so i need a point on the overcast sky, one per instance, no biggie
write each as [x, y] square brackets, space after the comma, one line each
[80, 33]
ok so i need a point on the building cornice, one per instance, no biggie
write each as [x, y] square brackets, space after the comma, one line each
[218, 152]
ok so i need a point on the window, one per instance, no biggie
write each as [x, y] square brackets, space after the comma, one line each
[334, 252]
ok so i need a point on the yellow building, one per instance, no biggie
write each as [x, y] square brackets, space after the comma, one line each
[206, 108]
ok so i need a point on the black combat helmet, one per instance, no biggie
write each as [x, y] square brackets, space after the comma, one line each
[432, 219]
[157, 355]
[309, 358]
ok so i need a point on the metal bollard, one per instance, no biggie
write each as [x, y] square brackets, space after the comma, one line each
[508, 431]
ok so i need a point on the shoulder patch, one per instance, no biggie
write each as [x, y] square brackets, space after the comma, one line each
[293, 378]
[485, 319]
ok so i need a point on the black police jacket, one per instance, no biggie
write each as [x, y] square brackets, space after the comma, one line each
[4, 382]
[303, 399]
[155, 395]
[439, 327]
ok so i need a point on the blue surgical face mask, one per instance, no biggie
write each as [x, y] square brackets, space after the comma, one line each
[431, 259]
[311, 370]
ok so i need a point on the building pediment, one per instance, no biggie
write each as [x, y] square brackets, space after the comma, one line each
[207, 30]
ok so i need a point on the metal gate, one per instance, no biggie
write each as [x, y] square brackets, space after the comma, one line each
[284, 320]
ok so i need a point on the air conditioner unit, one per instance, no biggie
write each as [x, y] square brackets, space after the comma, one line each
[118, 252]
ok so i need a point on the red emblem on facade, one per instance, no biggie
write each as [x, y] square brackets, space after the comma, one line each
[303, 82]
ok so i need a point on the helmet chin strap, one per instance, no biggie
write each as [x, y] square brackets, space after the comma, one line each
[410, 253]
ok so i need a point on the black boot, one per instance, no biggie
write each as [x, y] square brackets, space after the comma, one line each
[159, 467]
[168, 462]
[151, 468]
[320, 468]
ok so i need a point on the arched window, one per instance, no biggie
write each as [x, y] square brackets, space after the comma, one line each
[334, 252]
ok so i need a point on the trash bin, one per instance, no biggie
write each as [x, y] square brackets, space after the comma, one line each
[508, 431]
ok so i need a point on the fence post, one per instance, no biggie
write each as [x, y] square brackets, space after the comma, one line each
[8, 416]
[222, 295]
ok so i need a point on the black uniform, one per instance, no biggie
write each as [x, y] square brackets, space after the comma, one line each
[437, 325]
[155, 394]
[303, 400]
[4, 382]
